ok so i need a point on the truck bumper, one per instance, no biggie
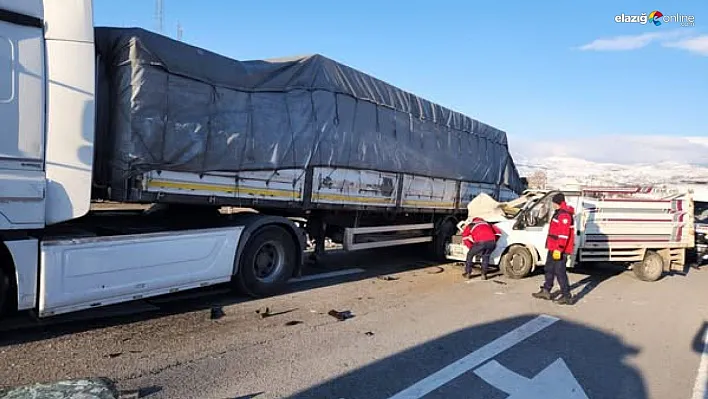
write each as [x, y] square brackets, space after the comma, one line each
[702, 252]
[458, 252]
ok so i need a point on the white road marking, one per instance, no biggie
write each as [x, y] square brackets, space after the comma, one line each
[474, 359]
[320, 276]
[699, 388]
[554, 382]
[501, 377]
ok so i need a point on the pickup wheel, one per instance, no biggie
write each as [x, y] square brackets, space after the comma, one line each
[268, 260]
[651, 268]
[517, 262]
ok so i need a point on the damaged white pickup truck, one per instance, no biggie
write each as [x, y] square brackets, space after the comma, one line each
[650, 234]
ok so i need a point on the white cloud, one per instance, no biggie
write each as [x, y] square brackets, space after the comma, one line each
[631, 42]
[698, 44]
[615, 149]
[621, 43]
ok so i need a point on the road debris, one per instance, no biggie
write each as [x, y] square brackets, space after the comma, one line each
[341, 316]
[266, 312]
[293, 323]
[500, 282]
[387, 278]
[369, 333]
[434, 270]
[217, 312]
[113, 355]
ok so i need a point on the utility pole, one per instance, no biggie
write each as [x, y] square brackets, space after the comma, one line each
[179, 31]
[159, 15]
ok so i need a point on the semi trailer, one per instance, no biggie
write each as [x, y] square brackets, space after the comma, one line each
[122, 115]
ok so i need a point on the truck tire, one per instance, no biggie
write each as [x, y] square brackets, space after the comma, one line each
[517, 262]
[442, 237]
[267, 262]
[651, 268]
[4, 291]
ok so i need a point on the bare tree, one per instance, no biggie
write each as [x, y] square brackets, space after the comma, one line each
[538, 180]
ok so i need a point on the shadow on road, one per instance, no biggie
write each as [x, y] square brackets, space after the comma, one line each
[597, 360]
[24, 328]
[699, 341]
[251, 396]
[700, 346]
[594, 274]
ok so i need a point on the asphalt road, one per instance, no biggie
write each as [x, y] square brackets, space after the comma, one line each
[422, 335]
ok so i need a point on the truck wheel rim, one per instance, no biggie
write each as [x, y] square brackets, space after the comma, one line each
[518, 263]
[269, 261]
[652, 266]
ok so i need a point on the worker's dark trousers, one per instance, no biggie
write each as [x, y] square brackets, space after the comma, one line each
[556, 269]
[484, 248]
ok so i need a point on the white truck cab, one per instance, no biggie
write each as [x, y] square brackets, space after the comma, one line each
[47, 91]
[47, 84]
[55, 257]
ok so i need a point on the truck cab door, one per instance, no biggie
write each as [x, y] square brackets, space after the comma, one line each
[535, 220]
[22, 100]
[579, 218]
[538, 225]
[531, 227]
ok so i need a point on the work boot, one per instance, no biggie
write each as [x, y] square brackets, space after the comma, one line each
[466, 275]
[565, 300]
[542, 294]
[484, 275]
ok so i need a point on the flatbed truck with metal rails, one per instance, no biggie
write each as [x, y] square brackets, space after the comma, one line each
[649, 231]
[59, 255]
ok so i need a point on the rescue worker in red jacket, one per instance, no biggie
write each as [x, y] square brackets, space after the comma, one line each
[560, 243]
[480, 237]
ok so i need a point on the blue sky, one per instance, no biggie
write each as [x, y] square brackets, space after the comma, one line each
[519, 66]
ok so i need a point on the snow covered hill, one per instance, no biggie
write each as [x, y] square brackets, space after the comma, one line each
[670, 160]
[561, 171]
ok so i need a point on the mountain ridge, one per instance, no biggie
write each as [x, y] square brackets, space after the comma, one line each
[565, 170]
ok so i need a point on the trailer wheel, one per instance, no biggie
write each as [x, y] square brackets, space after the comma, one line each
[438, 247]
[4, 291]
[517, 262]
[267, 262]
[651, 268]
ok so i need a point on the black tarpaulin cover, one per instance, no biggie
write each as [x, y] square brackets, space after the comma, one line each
[166, 105]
